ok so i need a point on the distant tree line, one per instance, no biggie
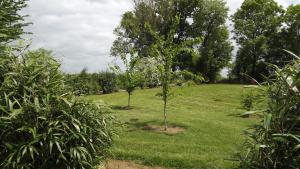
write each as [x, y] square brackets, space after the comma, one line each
[109, 81]
[85, 83]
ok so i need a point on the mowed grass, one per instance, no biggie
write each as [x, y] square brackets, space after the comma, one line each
[214, 131]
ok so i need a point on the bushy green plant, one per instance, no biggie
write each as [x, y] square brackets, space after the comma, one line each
[83, 83]
[184, 76]
[275, 143]
[129, 81]
[108, 82]
[40, 125]
[248, 99]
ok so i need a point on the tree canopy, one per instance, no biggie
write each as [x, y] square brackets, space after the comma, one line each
[256, 22]
[197, 19]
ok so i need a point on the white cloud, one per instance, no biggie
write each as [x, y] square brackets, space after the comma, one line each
[80, 32]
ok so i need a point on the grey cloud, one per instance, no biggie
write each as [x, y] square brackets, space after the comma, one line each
[79, 32]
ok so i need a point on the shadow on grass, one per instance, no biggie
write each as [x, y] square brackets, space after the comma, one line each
[154, 125]
[242, 115]
[140, 125]
[118, 107]
[217, 100]
[235, 114]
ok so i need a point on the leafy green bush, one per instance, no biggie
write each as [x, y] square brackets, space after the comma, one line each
[83, 83]
[275, 143]
[86, 83]
[181, 77]
[40, 126]
[108, 82]
[248, 100]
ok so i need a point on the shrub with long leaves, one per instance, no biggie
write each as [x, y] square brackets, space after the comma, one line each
[275, 143]
[40, 126]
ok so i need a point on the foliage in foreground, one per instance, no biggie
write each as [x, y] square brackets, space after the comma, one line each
[11, 21]
[275, 143]
[40, 126]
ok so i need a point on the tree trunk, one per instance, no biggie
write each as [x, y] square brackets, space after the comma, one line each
[253, 65]
[165, 115]
[129, 95]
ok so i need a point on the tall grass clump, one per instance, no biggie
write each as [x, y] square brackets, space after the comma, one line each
[275, 143]
[40, 125]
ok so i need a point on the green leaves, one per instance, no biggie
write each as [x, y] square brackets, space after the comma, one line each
[279, 130]
[257, 39]
[291, 53]
[11, 21]
[40, 125]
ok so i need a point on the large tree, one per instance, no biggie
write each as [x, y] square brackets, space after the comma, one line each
[255, 23]
[292, 29]
[11, 21]
[288, 38]
[197, 18]
[209, 22]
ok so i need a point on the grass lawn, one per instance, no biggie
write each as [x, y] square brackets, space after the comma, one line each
[213, 133]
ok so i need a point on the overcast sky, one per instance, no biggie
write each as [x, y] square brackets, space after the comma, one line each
[80, 32]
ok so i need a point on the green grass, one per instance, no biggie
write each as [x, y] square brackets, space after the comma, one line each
[214, 132]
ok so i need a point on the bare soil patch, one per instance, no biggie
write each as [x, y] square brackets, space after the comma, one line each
[161, 129]
[121, 164]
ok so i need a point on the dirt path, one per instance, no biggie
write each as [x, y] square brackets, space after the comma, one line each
[121, 164]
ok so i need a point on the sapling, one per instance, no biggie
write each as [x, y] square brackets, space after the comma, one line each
[165, 49]
[123, 49]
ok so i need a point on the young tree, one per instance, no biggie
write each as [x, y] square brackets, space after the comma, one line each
[254, 24]
[165, 50]
[11, 21]
[164, 37]
[123, 48]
